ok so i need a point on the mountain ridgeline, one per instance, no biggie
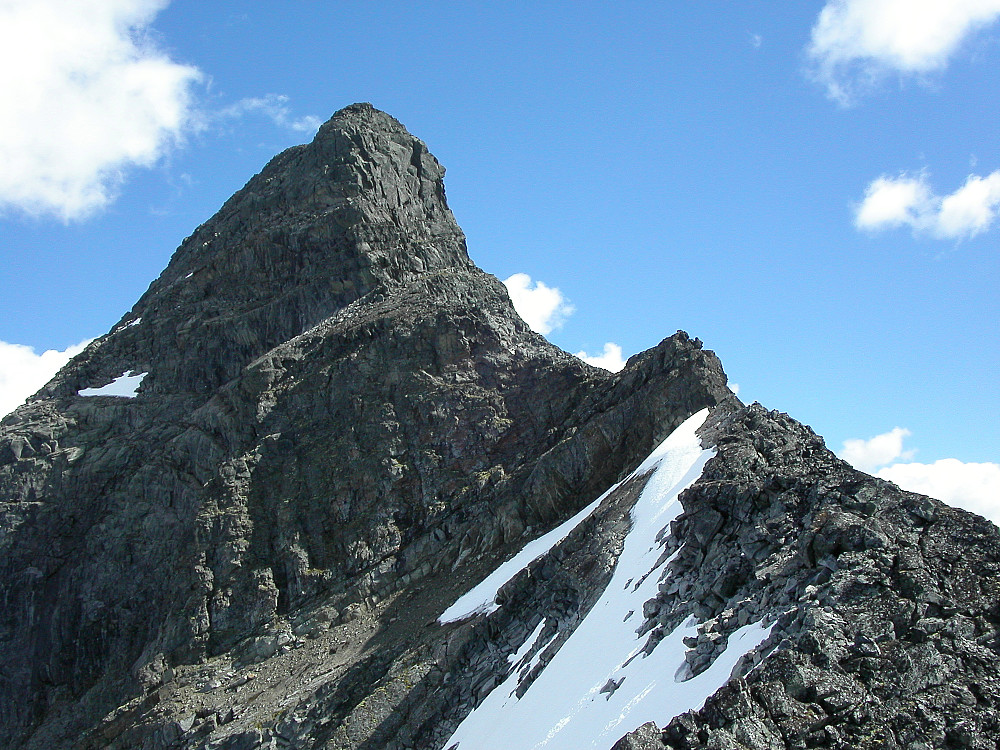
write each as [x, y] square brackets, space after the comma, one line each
[343, 429]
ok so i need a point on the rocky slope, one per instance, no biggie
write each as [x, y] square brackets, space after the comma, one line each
[343, 426]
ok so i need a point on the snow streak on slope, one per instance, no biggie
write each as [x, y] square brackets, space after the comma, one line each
[565, 708]
[482, 598]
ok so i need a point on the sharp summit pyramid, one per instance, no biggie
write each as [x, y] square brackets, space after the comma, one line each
[323, 488]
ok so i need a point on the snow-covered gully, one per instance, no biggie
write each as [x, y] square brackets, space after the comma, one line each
[600, 684]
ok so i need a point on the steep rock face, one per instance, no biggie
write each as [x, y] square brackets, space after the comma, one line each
[338, 405]
[344, 426]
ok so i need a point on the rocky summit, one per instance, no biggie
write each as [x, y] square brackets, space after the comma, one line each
[323, 488]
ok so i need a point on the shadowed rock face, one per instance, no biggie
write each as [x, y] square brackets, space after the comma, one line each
[345, 425]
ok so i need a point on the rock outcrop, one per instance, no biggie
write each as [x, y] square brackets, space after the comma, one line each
[887, 604]
[343, 425]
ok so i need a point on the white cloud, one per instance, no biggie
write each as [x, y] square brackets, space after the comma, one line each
[87, 94]
[274, 107]
[972, 486]
[756, 40]
[868, 455]
[908, 201]
[971, 209]
[894, 201]
[22, 372]
[856, 43]
[543, 308]
[611, 359]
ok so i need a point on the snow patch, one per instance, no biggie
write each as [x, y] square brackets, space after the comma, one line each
[131, 323]
[523, 664]
[125, 385]
[482, 598]
[601, 684]
[526, 646]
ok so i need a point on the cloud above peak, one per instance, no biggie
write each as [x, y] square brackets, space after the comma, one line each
[868, 455]
[972, 486]
[908, 201]
[611, 359]
[22, 372]
[275, 108]
[87, 95]
[857, 43]
[543, 308]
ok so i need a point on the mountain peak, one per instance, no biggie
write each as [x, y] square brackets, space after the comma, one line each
[360, 208]
[364, 191]
[362, 114]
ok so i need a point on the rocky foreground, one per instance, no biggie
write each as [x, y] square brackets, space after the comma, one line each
[342, 426]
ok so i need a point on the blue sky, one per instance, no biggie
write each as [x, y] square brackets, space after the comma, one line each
[810, 188]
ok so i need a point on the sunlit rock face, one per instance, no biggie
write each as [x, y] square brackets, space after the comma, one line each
[239, 518]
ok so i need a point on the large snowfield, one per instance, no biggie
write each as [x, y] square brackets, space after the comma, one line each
[565, 708]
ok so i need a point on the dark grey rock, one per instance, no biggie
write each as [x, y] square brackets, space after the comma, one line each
[345, 425]
[646, 736]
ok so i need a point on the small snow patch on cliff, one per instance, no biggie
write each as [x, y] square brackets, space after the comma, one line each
[125, 385]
